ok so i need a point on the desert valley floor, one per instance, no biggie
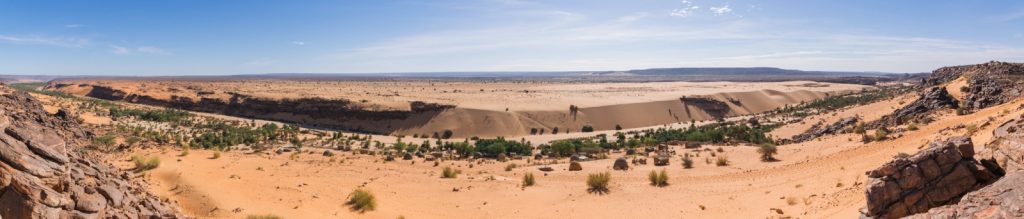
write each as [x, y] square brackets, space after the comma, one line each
[311, 172]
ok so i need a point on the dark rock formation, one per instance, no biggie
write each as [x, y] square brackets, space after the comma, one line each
[988, 84]
[45, 172]
[817, 131]
[713, 107]
[932, 99]
[1002, 199]
[934, 177]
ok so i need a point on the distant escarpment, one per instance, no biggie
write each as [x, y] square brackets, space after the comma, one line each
[315, 112]
[45, 172]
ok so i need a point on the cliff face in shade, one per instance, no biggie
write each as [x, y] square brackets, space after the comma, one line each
[45, 172]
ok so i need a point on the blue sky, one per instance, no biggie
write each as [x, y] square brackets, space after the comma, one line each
[192, 37]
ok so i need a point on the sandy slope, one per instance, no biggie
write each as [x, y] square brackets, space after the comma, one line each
[816, 179]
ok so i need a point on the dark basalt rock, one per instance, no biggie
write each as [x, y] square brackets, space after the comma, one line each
[817, 131]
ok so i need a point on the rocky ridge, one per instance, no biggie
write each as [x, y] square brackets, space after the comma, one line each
[45, 172]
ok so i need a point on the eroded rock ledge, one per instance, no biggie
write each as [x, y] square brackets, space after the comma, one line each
[45, 172]
[934, 177]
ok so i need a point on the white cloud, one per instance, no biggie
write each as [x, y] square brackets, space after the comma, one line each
[73, 25]
[721, 10]
[72, 42]
[300, 43]
[688, 9]
[121, 50]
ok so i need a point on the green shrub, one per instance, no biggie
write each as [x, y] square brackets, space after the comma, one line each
[528, 180]
[587, 128]
[184, 150]
[598, 182]
[687, 162]
[449, 173]
[216, 154]
[106, 141]
[658, 179]
[362, 201]
[912, 127]
[881, 134]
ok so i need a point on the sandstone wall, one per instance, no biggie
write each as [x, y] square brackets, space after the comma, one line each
[934, 177]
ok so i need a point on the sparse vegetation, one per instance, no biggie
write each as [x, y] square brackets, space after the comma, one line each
[767, 152]
[143, 163]
[659, 179]
[687, 162]
[598, 182]
[528, 180]
[971, 129]
[362, 200]
[722, 161]
[449, 173]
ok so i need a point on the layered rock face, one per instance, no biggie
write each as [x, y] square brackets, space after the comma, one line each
[989, 84]
[44, 172]
[1003, 199]
[934, 177]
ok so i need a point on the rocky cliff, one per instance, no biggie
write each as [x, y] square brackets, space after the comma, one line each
[46, 173]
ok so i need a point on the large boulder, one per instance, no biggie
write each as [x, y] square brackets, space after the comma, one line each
[46, 172]
[936, 176]
[620, 164]
[575, 166]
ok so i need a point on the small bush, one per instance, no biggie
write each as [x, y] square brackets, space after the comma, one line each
[722, 161]
[658, 179]
[528, 180]
[587, 128]
[216, 154]
[767, 152]
[145, 163]
[106, 141]
[687, 162]
[912, 127]
[598, 182]
[881, 134]
[449, 173]
[362, 201]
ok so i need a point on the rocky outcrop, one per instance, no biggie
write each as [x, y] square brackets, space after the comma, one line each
[1002, 199]
[713, 107]
[46, 173]
[936, 176]
[817, 131]
[932, 99]
[988, 84]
